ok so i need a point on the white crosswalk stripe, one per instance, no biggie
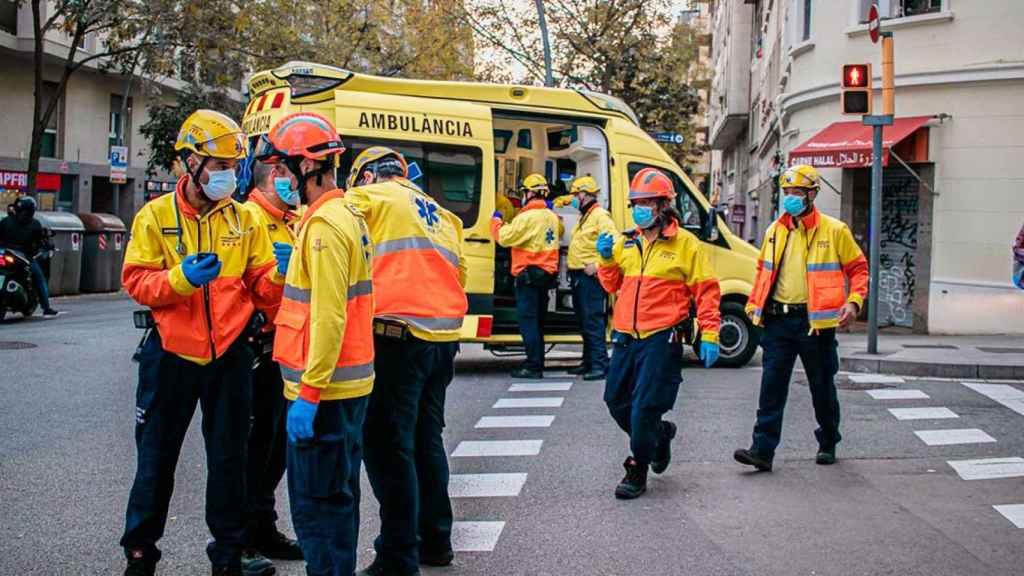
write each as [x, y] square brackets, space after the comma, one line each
[485, 485]
[541, 387]
[891, 394]
[1004, 394]
[929, 413]
[1012, 512]
[494, 448]
[515, 421]
[875, 379]
[473, 536]
[956, 436]
[529, 403]
[988, 468]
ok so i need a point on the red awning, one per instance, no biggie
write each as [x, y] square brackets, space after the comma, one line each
[848, 144]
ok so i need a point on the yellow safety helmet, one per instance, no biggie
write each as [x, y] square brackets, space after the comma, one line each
[212, 134]
[370, 155]
[535, 182]
[799, 176]
[585, 184]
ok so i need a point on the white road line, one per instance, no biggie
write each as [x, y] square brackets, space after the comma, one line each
[929, 413]
[875, 379]
[1013, 512]
[480, 448]
[475, 536]
[988, 468]
[1004, 394]
[890, 394]
[529, 403]
[515, 422]
[485, 485]
[957, 436]
[541, 387]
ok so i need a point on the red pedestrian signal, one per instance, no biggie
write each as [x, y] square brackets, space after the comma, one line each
[856, 97]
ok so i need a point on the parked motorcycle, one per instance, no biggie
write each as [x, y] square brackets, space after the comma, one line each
[16, 292]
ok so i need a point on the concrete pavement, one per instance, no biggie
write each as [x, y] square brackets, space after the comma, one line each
[991, 357]
[898, 502]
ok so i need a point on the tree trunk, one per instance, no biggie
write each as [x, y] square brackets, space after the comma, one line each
[37, 126]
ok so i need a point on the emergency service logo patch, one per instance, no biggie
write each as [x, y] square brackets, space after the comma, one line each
[549, 237]
[428, 213]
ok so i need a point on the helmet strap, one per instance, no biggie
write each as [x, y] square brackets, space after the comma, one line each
[198, 171]
[294, 165]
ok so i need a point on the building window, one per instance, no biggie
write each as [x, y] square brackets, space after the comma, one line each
[119, 127]
[51, 131]
[899, 8]
[806, 21]
[9, 17]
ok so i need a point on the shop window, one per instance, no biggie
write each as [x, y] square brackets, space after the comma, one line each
[9, 17]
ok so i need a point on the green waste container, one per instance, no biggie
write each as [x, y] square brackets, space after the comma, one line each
[65, 273]
[102, 252]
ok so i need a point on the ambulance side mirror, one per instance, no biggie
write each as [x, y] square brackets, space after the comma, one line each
[710, 232]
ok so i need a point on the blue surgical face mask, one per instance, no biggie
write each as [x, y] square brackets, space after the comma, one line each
[793, 205]
[283, 187]
[643, 216]
[575, 203]
[221, 185]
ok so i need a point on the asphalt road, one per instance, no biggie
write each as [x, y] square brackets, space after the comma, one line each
[893, 505]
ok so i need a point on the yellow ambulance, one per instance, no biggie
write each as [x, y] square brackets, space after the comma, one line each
[468, 142]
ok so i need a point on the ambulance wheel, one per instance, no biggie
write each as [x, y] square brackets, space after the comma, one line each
[738, 338]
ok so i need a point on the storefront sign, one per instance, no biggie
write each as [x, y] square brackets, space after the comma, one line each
[10, 180]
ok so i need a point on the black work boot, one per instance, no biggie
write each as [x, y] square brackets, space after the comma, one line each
[577, 370]
[826, 456]
[254, 564]
[139, 565]
[594, 375]
[663, 455]
[377, 568]
[527, 374]
[752, 458]
[439, 559]
[225, 571]
[270, 542]
[634, 483]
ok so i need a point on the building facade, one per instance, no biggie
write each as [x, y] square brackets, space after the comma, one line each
[954, 159]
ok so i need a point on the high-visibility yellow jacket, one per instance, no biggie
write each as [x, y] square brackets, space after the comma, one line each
[655, 282]
[504, 205]
[418, 268]
[832, 254]
[533, 236]
[199, 324]
[583, 246]
[279, 226]
[324, 338]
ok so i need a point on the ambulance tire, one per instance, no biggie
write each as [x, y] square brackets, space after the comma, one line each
[738, 337]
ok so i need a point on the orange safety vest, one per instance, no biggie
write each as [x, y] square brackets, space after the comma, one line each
[199, 324]
[832, 257]
[656, 282]
[353, 371]
[418, 266]
[533, 235]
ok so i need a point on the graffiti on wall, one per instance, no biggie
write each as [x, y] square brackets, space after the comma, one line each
[897, 270]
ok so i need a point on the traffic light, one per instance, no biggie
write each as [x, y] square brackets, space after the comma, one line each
[856, 95]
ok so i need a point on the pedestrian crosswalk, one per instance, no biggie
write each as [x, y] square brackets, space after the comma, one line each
[970, 469]
[520, 413]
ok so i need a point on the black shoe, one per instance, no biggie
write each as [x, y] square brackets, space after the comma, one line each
[50, 312]
[634, 483]
[378, 569]
[577, 370]
[752, 458]
[663, 455]
[527, 374]
[273, 544]
[826, 457]
[254, 564]
[139, 565]
[223, 571]
[594, 375]
[441, 559]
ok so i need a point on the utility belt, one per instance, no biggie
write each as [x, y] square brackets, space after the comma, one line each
[391, 329]
[261, 342]
[535, 276]
[680, 333]
[773, 308]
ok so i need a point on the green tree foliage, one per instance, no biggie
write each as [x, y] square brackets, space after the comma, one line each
[165, 120]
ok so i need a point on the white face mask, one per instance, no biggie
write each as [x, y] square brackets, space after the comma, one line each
[221, 185]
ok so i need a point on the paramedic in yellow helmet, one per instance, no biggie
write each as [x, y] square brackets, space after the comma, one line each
[800, 297]
[202, 263]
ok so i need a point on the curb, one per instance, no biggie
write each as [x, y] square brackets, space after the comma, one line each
[937, 370]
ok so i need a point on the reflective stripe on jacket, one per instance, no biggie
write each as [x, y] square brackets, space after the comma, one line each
[533, 236]
[324, 339]
[278, 223]
[655, 283]
[583, 246]
[418, 268]
[832, 254]
[199, 324]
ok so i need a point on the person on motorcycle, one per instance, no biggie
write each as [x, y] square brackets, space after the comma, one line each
[22, 232]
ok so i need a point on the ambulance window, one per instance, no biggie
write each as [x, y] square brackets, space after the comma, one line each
[691, 212]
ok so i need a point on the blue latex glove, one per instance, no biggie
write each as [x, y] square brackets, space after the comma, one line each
[198, 271]
[605, 244]
[709, 352]
[300, 420]
[549, 204]
[283, 253]
[1018, 279]
[497, 214]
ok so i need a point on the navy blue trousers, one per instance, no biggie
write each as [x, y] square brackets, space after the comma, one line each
[267, 442]
[589, 300]
[405, 457]
[168, 391]
[642, 385]
[785, 338]
[323, 487]
[531, 308]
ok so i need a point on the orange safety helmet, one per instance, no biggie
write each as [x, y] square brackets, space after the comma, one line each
[651, 183]
[301, 135]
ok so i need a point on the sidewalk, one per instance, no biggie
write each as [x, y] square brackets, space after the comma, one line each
[998, 357]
